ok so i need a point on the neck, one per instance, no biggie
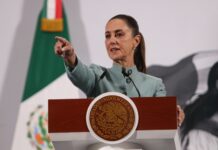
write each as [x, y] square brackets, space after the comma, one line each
[125, 64]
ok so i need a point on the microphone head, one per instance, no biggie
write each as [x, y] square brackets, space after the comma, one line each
[125, 74]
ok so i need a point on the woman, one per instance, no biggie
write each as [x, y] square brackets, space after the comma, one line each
[200, 128]
[125, 46]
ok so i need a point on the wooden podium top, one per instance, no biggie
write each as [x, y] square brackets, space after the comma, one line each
[69, 115]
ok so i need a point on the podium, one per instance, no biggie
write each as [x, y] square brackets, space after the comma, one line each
[156, 130]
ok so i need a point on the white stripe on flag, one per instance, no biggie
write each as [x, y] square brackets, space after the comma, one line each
[58, 89]
[51, 9]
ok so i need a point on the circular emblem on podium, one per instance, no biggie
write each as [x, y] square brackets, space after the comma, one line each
[112, 117]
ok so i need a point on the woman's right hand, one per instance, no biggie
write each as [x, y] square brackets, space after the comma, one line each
[64, 49]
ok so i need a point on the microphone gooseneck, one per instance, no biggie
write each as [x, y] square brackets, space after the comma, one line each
[102, 75]
[99, 79]
[127, 74]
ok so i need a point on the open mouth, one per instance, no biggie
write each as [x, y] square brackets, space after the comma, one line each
[114, 49]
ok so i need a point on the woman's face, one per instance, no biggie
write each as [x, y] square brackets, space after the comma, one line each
[120, 42]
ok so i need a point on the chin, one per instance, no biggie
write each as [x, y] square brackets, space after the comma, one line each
[115, 58]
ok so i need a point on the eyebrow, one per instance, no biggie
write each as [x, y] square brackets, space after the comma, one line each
[118, 30]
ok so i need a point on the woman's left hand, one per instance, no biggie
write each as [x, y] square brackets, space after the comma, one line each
[180, 116]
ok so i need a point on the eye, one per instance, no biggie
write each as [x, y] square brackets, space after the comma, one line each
[107, 36]
[119, 34]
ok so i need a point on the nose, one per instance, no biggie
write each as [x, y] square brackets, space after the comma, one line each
[112, 40]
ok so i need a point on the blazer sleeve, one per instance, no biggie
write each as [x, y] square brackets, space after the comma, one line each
[160, 89]
[83, 77]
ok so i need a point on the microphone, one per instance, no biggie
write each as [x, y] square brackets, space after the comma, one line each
[127, 74]
[100, 78]
[103, 74]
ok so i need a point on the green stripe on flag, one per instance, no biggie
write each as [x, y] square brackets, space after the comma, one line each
[44, 9]
[44, 65]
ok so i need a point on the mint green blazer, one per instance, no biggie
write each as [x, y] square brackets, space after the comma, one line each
[94, 80]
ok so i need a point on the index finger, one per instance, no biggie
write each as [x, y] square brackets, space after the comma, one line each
[61, 39]
[179, 107]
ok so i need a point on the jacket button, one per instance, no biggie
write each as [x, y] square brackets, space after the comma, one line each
[128, 80]
[129, 72]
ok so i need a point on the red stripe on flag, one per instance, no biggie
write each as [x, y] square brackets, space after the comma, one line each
[58, 8]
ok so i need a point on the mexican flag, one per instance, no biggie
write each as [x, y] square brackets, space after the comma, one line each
[46, 79]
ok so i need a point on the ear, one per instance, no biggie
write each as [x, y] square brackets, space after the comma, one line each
[137, 40]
